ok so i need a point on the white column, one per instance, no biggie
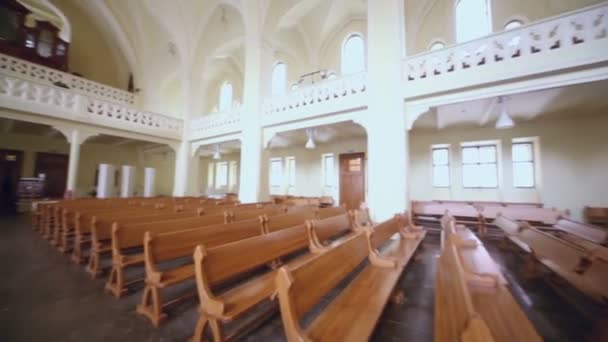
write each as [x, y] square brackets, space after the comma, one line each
[105, 181]
[385, 120]
[149, 179]
[75, 137]
[256, 87]
[182, 166]
[127, 183]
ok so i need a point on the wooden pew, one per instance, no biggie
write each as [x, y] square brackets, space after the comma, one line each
[584, 231]
[432, 212]
[538, 216]
[217, 265]
[323, 213]
[129, 236]
[361, 217]
[581, 268]
[596, 215]
[160, 248]
[353, 314]
[472, 302]
[240, 215]
[321, 232]
[279, 222]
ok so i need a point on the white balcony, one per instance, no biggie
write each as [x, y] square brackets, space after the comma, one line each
[339, 95]
[573, 40]
[30, 88]
[216, 124]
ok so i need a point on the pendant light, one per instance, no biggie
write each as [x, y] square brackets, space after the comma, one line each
[217, 155]
[504, 120]
[310, 143]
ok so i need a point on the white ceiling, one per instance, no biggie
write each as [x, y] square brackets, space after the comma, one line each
[584, 99]
[322, 135]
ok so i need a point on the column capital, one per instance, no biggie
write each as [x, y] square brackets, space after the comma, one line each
[75, 135]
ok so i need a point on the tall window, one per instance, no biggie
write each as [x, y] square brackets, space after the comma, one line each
[279, 79]
[276, 172]
[291, 171]
[328, 170]
[472, 20]
[232, 178]
[210, 177]
[353, 55]
[523, 165]
[225, 97]
[441, 167]
[479, 167]
[221, 175]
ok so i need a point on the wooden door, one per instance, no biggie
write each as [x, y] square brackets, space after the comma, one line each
[352, 180]
[55, 168]
[10, 171]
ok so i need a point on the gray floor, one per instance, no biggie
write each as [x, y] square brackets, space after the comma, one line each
[45, 296]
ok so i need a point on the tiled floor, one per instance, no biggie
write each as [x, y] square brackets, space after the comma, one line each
[45, 296]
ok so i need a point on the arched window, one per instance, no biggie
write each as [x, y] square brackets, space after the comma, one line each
[279, 79]
[353, 55]
[472, 20]
[225, 97]
[513, 24]
[437, 46]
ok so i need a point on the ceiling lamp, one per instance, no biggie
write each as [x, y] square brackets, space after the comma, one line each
[504, 120]
[217, 155]
[310, 143]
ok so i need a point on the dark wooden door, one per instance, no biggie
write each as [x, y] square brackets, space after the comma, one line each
[10, 171]
[55, 168]
[352, 180]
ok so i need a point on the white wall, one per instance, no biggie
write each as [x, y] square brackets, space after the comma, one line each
[572, 160]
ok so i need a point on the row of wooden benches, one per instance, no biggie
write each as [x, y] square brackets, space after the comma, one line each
[472, 301]
[580, 262]
[596, 215]
[269, 239]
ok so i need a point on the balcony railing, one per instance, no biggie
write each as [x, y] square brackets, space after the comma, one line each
[570, 29]
[22, 69]
[217, 124]
[330, 96]
[30, 96]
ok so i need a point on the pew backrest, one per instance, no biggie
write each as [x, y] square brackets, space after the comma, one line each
[279, 222]
[324, 213]
[585, 231]
[331, 227]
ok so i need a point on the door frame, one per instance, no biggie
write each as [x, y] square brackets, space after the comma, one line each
[350, 155]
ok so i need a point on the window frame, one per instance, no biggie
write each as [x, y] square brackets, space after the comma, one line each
[220, 105]
[325, 175]
[532, 161]
[342, 55]
[270, 173]
[291, 171]
[490, 21]
[478, 146]
[448, 164]
[219, 177]
[285, 80]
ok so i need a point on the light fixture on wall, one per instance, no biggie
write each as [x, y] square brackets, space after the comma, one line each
[310, 143]
[504, 120]
[217, 155]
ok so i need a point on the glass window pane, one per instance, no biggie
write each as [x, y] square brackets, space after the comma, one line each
[276, 172]
[440, 156]
[279, 79]
[470, 176]
[225, 97]
[441, 176]
[487, 154]
[522, 152]
[470, 155]
[328, 171]
[353, 55]
[488, 176]
[233, 172]
[291, 166]
[472, 20]
[221, 175]
[210, 177]
[523, 175]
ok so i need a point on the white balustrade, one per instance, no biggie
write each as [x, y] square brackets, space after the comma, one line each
[65, 104]
[22, 69]
[570, 29]
[216, 124]
[321, 98]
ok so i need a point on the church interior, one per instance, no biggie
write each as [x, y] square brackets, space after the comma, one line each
[304, 170]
